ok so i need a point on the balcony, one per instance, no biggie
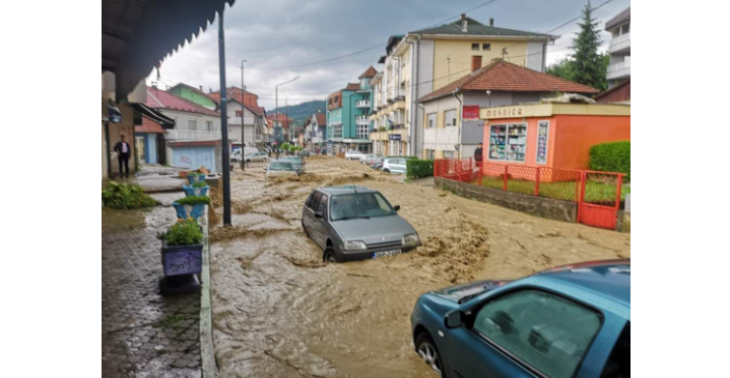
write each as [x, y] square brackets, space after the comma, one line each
[361, 104]
[178, 134]
[362, 120]
[620, 44]
[619, 70]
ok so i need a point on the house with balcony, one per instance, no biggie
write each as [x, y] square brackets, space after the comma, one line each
[280, 127]
[619, 49]
[315, 131]
[348, 115]
[243, 112]
[425, 60]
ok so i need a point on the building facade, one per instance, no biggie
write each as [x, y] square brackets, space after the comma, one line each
[619, 49]
[315, 131]
[423, 61]
[348, 115]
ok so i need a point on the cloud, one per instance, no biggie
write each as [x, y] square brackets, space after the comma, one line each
[283, 33]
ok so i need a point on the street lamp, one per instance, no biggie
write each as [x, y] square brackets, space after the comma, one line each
[276, 106]
[243, 120]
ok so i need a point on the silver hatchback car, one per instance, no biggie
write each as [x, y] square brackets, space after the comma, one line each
[356, 223]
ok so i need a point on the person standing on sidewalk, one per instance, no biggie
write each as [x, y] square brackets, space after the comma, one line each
[123, 149]
[478, 154]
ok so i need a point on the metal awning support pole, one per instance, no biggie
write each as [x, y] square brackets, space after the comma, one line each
[108, 150]
[224, 124]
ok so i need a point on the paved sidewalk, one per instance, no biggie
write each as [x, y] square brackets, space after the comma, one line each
[143, 333]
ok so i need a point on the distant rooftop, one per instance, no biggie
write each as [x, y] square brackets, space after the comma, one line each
[475, 27]
[620, 18]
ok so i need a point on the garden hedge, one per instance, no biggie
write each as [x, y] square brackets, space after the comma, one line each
[416, 168]
[611, 157]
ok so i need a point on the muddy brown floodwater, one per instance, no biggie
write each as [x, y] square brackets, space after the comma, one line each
[278, 311]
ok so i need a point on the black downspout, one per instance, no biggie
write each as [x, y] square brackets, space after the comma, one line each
[108, 151]
[224, 124]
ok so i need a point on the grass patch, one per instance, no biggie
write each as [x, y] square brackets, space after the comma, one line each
[566, 190]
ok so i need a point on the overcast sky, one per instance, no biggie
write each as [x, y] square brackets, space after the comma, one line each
[273, 35]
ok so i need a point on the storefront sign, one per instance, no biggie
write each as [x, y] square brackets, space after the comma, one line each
[515, 111]
[394, 137]
[542, 141]
[470, 112]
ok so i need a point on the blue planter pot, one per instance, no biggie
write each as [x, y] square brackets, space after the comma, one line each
[182, 259]
[196, 178]
[192, 191]
[185, 211]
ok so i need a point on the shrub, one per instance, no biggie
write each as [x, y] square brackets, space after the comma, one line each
[184, 232]
[611, 157]
[194, 200]
[200, 184]
[416, 168]
[125, 196]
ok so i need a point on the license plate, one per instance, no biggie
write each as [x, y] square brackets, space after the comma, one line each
[395, 252]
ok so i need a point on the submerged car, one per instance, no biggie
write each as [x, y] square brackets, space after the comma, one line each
[356, 223]
[279, 168]
[570, 321]
[296, 161]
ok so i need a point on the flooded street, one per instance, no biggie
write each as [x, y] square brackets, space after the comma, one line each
[278, 311]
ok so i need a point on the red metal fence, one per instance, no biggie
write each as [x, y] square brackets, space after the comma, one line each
[598, 194]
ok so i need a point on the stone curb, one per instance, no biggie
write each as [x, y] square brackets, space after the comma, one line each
[207, 354]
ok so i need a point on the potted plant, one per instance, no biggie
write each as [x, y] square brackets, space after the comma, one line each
[182, 255]
[191, 207]
[196, 189]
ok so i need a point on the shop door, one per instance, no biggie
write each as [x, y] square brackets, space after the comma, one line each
[600, 199]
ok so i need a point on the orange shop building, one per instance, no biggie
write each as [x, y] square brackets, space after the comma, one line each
[556, 135]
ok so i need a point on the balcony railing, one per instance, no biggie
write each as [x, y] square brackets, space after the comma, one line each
[177, 134]
[620, 43]
[619, 70]
[362, 104]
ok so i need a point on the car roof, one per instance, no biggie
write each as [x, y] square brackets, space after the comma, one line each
[601, 283]
[346, 189]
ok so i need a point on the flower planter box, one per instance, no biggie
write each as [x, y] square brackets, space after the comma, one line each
[181, 260]
[193, 191]
[192, 211]
[193, 178]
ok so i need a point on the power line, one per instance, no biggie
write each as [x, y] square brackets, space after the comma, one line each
[325, 60]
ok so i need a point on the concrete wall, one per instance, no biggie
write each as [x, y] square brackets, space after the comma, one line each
[543, 207]
[536, 56]
[440, 138]
[116, 130]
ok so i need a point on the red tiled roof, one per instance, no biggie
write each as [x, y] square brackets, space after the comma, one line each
[249, 99]
[149, 126]
[158, 99]
[353, 86]
[282, 118]
[321, 119]
[508, 77]
[369, 73]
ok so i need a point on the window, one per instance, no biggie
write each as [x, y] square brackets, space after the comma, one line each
[450, 118]
[432, 120]
[486, 46]
[430, 154]
[360, 204]
[542, 142]
[625, 29]
[192, 124]
[448, 154]
[337, 99]
[239, 113]
[323, 206]
[363, 131]
[336, 131]
[475, 47]
[547, 332]
[619, 362]
[508, 142]
[313, 199]
[209, 125]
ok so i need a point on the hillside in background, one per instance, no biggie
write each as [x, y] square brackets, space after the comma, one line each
[301, 112]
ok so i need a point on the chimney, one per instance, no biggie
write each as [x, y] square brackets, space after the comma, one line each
[476, 62]
[491, 22]
[464, 23]
[201, 88]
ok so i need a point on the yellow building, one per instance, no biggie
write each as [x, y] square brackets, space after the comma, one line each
[425, 60]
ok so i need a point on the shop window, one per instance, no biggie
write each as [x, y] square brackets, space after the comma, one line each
[543, 130]
[432, 120]
[508, 142]
[450, 118]
[475, 47]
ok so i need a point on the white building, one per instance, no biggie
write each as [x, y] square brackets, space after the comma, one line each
[619, 64]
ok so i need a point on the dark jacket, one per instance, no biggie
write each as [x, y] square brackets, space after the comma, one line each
[118, 148]
[478, 154]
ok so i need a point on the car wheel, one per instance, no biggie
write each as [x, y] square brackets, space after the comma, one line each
[386, 170]
[329, 255]
[426, 348]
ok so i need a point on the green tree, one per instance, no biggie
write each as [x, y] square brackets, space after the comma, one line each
[564, 68]
[587, 61]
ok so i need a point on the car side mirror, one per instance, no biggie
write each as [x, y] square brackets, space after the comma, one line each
[454, 319]
[318, 214]
[396, 207]
[265, 169]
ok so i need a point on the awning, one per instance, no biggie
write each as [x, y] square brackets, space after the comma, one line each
[164, 121]
[137, 34]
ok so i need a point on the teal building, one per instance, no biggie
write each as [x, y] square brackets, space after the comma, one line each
[348, 116]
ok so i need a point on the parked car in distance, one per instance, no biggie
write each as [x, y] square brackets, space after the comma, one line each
[296, 161]
[394, 165]
[353, 155]
[277, 168]
[369, 158]
[356, 223]
[377, 163]
[569, 321]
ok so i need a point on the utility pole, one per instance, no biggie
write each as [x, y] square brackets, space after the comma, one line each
[277, 104]
[243, 120]
[286, 115]
[224, 124]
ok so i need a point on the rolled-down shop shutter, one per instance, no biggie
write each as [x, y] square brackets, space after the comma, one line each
[194, 157]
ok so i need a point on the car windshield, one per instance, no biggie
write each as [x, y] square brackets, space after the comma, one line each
[280, 166]
[360, 205]
[293, 159]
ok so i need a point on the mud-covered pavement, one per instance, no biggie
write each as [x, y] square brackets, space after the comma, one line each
[278, 311]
